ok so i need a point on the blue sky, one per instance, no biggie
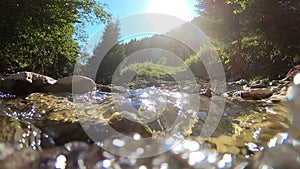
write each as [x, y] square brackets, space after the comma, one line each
[183, 9]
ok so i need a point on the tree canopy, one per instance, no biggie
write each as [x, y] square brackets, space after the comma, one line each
[107, 55]
[260, 37]
[43, 36]
[253, 38]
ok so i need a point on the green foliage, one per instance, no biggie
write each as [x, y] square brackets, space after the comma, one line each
[41, 36]
[255, 78]
[253, 38]
[192, 59]
[153, 69]
[241, 5]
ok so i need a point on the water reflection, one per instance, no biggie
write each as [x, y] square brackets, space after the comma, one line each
[283, 150]
[60, 162]
[190, 151]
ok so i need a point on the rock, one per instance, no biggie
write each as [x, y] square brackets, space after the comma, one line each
[276, 99]
[73, 84]
[241, 82]
[256, 94]
[206, 92]
[22, 83]
[118, 89]
[228, 94]
[283, 91]
[17, 131]
[104, 88]
[191, 89]
[274, 89]
[5, 150]
[260, 83]
[113, 89]
[123, 125]
[152, 83]
[25, 83]
[274, 82]
[246, 87]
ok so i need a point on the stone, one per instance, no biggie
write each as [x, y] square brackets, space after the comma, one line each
[191, 89]
[274, 89]
[260, 83]
[76, 84]
[123, 125]
[24, 83]
[274, 82]
[256, 94]
[6, 149]
[228, 94]
[104, 88]
[111, 89]
[241, 82]
[206, 92]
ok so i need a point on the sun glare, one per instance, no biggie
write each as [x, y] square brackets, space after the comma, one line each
[177, 8]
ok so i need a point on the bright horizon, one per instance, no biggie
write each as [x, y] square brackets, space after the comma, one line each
[183, 9]
[179, 8]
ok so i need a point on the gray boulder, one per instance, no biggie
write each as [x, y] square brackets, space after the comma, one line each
[24, 83]
[73, 84]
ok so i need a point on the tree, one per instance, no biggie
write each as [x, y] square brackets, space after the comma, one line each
[254, 38]
[42, 36]
[222, 21]
[107, 55]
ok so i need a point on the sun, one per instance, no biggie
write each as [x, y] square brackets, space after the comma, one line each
[177, 8]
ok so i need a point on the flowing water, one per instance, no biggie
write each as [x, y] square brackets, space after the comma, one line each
[164, 127]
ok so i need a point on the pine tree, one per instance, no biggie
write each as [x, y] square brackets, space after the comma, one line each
[107, 55]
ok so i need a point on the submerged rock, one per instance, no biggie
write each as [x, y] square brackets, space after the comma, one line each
[123, 125]
[22, 134]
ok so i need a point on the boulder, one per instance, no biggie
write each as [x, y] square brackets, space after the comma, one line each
[24, 83]
[256, 94]
[76, 84]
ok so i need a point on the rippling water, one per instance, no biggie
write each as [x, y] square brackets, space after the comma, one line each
[162, 126]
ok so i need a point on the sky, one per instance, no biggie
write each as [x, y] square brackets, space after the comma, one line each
[183, 9]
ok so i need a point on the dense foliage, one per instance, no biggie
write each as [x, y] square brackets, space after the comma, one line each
[254, 38]
[43, 36]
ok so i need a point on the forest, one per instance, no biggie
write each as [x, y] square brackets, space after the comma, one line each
[151, 100]
[255, 39]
